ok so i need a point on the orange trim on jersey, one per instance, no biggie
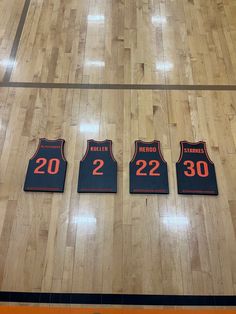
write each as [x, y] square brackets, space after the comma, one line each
[135, 151]
[111, 153]
[140, 141]
[38, 148]
[152, 142]
[159, 151]
[181, 152]
[41, 189]
[95, 189]
[62, 149]
[87, 150]
[56, 140]
[207, 156]
[143, 190]
[99, 142]
[198, 191]
[190, 143]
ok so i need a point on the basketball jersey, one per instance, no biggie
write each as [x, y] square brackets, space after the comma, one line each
[47, 168]
[98, 169]
[148, 169]
[195, 170]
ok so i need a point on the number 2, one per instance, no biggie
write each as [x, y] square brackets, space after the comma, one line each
[143, 164]
[100, 164]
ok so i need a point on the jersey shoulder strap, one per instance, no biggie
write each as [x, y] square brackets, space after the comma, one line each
[187, 147]
[94, 146]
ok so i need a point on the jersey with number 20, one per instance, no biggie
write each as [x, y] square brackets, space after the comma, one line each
[47, 168]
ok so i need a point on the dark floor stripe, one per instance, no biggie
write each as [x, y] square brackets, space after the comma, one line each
[119, 86]
[117, 299]
[16, 42]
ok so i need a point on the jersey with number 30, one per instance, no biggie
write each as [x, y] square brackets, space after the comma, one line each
[195, 171]
[98, 169]
[47, 168]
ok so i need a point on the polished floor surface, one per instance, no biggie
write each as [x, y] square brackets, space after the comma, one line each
[122, 243]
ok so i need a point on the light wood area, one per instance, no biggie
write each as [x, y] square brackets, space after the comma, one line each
[10, 12]
[131, 41]
[122, 243]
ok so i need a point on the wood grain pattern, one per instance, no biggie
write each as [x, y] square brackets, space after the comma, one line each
[70, 242]
[10, 12]
[138, 42]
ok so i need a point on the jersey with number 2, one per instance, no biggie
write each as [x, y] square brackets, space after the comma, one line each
[98, 169]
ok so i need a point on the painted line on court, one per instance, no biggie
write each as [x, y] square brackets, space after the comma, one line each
[12, 57]
[117, 299]
[52, 310]
[118, 86]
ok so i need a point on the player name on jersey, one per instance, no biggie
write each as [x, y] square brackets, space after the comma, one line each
[98, 169]
[47, 168]
[148, 169]
[195, 171]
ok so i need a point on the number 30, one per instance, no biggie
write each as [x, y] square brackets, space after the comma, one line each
[202, 169]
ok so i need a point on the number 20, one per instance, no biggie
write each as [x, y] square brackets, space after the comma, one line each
[143, 164]
[52, 163]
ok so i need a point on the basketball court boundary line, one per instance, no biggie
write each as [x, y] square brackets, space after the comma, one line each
[16, 42]
[170, 87]
[118, 299]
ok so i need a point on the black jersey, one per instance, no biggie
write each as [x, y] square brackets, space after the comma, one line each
[47, 168]
[148, 169]
[98, 169]
[195, 170]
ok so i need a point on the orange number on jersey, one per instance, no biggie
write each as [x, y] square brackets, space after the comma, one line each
[56, 166]
[43, 162]
[100, 164]
[205, 172]
[144, 165]
[190, 166]
[191, 169]
[157, 164]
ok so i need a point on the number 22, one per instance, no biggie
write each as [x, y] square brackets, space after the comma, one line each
[143, 164]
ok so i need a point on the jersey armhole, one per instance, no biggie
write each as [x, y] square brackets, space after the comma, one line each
[207, 156]
[87, 150]
[37, 150]
[135, 152]
[159, 151]
[111, 153]
[181, 152]
[62, 150]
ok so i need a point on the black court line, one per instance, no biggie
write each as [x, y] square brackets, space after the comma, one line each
[117, 299]
[119, 86]
[16, 42]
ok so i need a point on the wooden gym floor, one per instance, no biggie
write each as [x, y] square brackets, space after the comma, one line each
[123, 70]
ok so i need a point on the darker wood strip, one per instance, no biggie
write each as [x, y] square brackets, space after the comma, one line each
[118, 299]
[118, 86]
[16, 42]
